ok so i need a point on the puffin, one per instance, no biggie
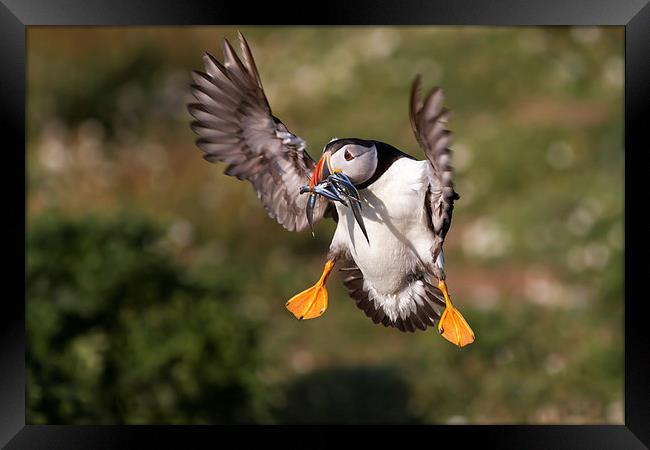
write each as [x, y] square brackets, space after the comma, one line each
[392, 211]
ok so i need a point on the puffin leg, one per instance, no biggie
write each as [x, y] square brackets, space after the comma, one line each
[453, 325]
[312, 302]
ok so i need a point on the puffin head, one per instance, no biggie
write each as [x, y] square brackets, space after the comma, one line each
[355, 158]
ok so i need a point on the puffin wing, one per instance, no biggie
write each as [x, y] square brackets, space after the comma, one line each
[235, 126]
[428, 120]
[424, 302]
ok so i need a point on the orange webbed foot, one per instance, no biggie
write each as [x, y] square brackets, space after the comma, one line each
[452, 325]
[311, 302]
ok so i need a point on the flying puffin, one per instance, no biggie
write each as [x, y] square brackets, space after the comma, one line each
[392, 211]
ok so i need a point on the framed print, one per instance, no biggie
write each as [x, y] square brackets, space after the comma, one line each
[241, 216]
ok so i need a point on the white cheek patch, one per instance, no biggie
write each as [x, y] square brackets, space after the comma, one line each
[361, 167]
[337, 162]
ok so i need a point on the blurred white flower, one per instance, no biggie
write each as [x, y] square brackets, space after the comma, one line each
[380, 43]
[596, 255]
[560, 155]
[616, 412]
[89, 147]
[181, 233]
[613, 71]
[55, 129]
[569, 67]
[561, 73]
[542, 290]
[486, 238]
[595, 205]
[52, 155]
[52, 147]
[555, 363]
[586, 35]
[302, 361]
[457, 420]
[581, 221]
[547, 414]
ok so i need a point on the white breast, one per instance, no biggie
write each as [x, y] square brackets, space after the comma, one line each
[395, 218]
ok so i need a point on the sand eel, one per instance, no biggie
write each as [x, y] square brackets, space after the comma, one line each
[392, 211]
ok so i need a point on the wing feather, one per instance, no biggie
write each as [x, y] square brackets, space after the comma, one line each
[235, 126]
[428, 120]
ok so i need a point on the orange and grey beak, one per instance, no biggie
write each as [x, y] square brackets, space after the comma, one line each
[321, 171]
[333, 185]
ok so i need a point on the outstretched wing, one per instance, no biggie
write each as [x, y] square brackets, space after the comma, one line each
[235, 126]
[429, 119]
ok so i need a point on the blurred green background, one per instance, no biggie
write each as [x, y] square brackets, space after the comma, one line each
[156, 285]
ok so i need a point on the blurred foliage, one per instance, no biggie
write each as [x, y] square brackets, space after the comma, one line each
[111, 97]
[343, 395]
[534, 256]
[120, 334]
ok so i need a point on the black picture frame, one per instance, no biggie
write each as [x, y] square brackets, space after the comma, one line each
[634, 15]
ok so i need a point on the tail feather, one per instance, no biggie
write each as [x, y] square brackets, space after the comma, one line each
[423, 311]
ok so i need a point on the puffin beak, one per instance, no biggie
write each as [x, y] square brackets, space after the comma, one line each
[320, 183]
[334, 185]
[321, 171]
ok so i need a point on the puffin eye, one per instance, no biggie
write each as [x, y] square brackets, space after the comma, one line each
[348, 156]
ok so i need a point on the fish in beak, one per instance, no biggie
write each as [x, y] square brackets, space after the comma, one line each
[334, 185]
